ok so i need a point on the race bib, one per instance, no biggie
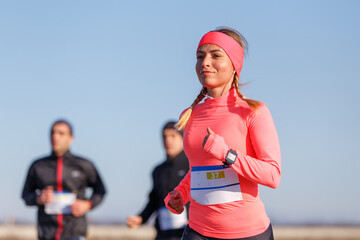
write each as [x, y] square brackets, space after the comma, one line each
[61, 204]
[215, 184]
[169, 220]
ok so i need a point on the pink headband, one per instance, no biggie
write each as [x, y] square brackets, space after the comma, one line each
[231, 47]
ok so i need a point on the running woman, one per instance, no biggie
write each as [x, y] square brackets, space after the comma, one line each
[232, 146]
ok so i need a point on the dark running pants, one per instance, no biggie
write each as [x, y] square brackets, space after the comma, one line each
[190, 234]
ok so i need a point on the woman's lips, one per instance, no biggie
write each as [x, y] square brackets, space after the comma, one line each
[206, 72]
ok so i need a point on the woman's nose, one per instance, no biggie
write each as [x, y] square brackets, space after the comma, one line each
[206, 61]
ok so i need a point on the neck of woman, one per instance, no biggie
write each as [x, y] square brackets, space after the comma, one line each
[219, 91]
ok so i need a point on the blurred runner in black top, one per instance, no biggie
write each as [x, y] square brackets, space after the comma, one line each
[165, 177]
[62, 176]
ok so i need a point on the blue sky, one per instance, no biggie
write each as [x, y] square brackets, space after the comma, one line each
[119, 70]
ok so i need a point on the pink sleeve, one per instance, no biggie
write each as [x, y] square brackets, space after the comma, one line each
[184, 189]
[265, 168]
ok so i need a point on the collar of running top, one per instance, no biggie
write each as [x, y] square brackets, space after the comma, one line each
[231, 47]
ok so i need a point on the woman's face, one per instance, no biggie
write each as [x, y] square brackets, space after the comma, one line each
[213, 67]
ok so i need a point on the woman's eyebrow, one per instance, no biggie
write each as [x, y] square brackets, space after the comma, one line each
[211, 51]
[216, 50]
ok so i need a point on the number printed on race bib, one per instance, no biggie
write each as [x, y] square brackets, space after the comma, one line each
[215, 175]
[215, 184]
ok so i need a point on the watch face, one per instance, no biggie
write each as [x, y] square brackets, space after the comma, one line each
[231, 157]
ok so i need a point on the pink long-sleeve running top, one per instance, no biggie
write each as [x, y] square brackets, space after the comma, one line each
[254, 138]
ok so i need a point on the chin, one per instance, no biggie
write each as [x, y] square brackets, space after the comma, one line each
[169, 153]
[208, 84]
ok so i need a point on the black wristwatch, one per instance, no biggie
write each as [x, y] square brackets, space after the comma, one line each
[230, 157]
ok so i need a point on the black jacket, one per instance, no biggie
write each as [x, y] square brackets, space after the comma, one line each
[166, 177]
[77, 175]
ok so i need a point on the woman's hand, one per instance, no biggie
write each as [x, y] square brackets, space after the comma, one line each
[176, 201]
[215, 145]
[207, 136]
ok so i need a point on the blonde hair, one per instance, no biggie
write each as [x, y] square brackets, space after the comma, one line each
[185, 117]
